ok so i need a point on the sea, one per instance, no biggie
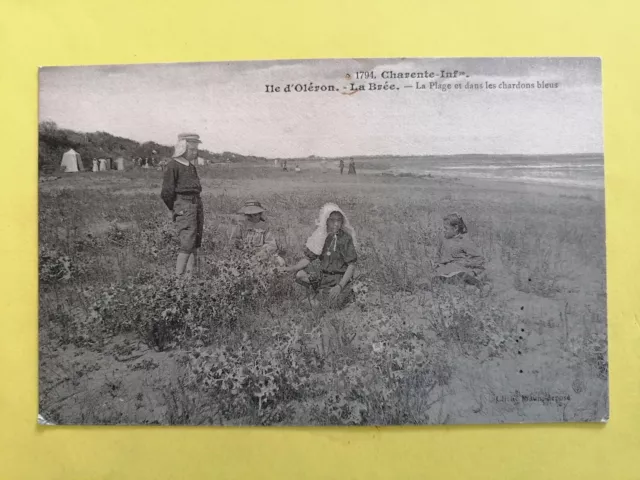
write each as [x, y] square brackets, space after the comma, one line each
[585, 171]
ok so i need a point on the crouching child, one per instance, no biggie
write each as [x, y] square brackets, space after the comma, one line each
[254, 235]
[332, 245]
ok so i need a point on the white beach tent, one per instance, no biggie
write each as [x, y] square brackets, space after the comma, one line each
[71, 161]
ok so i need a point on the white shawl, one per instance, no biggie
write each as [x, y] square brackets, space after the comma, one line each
[180, 149]
[315, 242]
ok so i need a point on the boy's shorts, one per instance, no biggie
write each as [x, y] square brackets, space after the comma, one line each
[189, 220]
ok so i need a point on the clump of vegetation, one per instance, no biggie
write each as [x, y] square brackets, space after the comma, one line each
[392, 382]
[474, 324]
[55, 266]
[168, 311]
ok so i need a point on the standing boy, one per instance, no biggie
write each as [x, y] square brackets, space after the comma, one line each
[181, 194]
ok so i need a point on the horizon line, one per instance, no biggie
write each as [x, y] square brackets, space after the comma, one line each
[346, 156]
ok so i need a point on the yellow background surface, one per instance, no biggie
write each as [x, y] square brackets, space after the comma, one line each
[65, 32]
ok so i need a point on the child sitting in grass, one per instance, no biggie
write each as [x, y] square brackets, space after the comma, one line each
[255, 236]
[459, 259]
[333, 244]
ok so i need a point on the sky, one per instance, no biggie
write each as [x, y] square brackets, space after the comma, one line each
[227, 105]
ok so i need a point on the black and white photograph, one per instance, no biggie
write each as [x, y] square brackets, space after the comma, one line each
[328, 242]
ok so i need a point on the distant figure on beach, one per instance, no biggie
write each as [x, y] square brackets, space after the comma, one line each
[352, 167]
[284, 165]
[103, 164]
[255, 236]
[181, 194]
[95, 165]
[341, 166]
[298, 169]
[459, 259]
[333, 246]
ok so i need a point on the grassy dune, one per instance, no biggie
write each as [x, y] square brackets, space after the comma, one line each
[406, 351]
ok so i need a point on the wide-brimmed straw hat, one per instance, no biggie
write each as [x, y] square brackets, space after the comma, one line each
[251, 207]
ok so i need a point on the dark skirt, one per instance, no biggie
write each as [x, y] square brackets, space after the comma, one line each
[322, 282]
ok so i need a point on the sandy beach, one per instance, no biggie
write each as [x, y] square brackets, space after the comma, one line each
[532, 347]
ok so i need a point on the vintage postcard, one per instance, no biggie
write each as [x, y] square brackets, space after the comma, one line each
[413, 241]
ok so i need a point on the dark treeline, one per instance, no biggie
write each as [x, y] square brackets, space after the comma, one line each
[54, 141]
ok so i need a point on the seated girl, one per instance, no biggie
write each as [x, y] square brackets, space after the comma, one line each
[333, 245]
[459, 259]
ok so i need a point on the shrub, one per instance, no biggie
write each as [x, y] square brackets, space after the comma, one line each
[268, 382]
[55, 267]
[474, 324]
[593, 351]
[167, 311]
[390, 380]
[251, 379]
[156, 238]
[362, 292]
